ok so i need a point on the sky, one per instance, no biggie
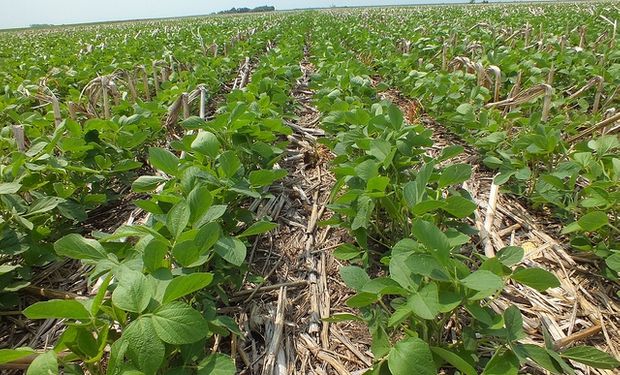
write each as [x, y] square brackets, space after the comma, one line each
[22, 13]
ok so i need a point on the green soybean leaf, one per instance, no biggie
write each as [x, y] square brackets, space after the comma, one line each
[145, 184]
[148, 206]
[411, 356]
[483, 280]
[178, 218]
[465, 109]
[193, 122]
[566, 368]
[362, 299]
[144, 347]
[77, 247]
[377, 184]
[259, 227]
[459, 207]
[514, 323]
[455, 360]
[380, 149]
[346, 252]
[133, 292]
[591, 357]
[365, 207]
[592, 221]
[116, 359]
[5, 268]
[428, 206]
[367, 170]
[342, 317]
[185, 284]
[44, 205]
[415, 191]
[503, 362]
[199, 200]
[354, 277]
[541, 357]
[402, 271]
[207, 236]
[425, 303]
[178, 323]
[154, 255]
[231, 249]
[510, 255]
[229, 163]
[217, 364]
[395, 115]
[206, 143]
[536, 278]
[265, 177]
[450, 152]
[57, 309]
[44, 364]
[98, 300]
[213, 213]
[10, 355]
[186, 253]
[433, 238]
[613, 262]
[454, 174]
[9, 187]
[164, 160]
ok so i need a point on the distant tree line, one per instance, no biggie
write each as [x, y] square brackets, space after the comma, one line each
[264, 8]
[41, 25]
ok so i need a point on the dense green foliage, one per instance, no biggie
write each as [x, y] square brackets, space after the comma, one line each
[100, 107]
[451, 69]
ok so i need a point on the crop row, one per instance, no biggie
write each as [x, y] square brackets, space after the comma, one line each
[167, 275]
[59, 174]
[422, 287]
[532, 96]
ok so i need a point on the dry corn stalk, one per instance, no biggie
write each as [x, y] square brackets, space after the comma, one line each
[497, 78]
[131, 85]
[602, 124]
[203, 102]
[213, 49]
[201, 41]
[475, 47]
[104, 95]
[562, 43]
[102, 86]
[173, 112]
[582, 36]
[551, 74]
[444, 56]
[46, 96]
[403, 46]
[155, 78]
[528, 95]
[245, 73]
[596, 81]
[72, 108]
[462, 62]
[514, 91]
[185, 103]
[481, 74]
[145, 82]
[20, 138]
[526, 32]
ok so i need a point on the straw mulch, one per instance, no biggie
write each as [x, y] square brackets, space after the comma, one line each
[282, 317]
